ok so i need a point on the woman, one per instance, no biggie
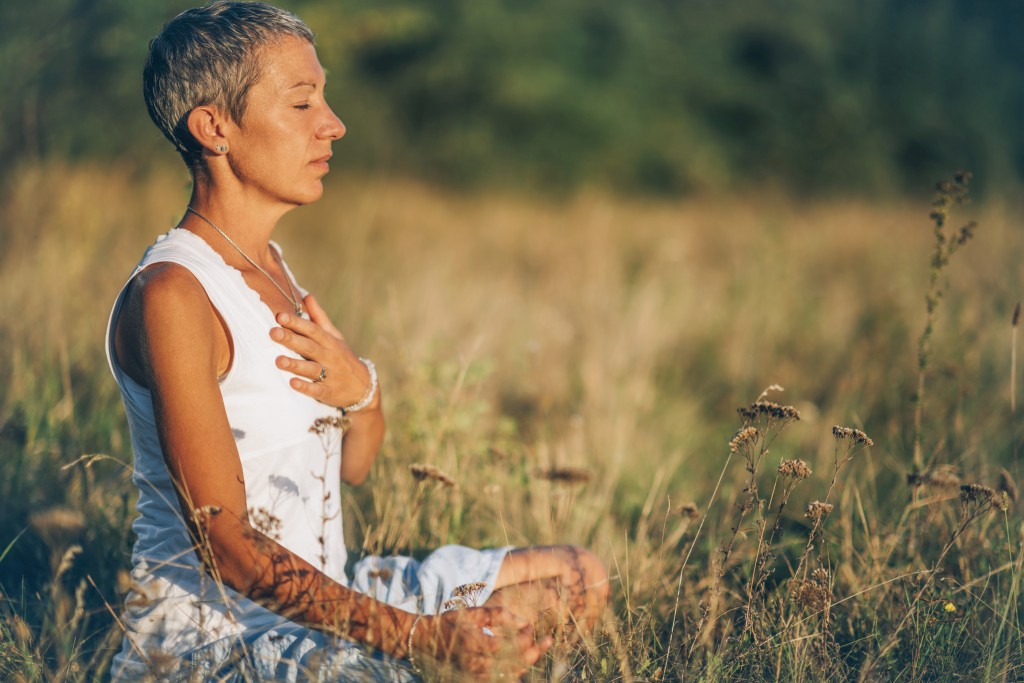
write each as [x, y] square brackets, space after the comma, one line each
[235, 382]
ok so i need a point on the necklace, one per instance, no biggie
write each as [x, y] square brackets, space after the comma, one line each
[290, 294]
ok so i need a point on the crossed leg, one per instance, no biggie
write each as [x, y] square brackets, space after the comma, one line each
[561, 589]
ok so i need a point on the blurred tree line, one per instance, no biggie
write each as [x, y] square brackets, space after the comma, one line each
[662, 96]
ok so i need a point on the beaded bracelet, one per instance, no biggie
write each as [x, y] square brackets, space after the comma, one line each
[371, 391]
[408, 644]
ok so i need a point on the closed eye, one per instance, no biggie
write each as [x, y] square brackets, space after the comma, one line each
[302, 106]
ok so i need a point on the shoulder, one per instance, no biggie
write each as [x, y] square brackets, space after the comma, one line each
[166, 314]
[164, 287]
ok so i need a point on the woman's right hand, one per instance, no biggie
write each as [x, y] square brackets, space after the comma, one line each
[481, 641]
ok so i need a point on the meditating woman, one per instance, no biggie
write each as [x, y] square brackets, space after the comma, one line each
[248, 410]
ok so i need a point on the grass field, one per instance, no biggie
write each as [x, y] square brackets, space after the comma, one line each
[575, 366]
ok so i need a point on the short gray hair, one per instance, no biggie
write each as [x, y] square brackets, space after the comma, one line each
[210, 55]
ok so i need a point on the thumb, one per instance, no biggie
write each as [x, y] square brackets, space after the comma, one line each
[319, 316]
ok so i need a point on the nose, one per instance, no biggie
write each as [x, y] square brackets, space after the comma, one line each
[332, 128]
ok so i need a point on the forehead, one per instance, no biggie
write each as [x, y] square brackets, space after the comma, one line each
[289, 62]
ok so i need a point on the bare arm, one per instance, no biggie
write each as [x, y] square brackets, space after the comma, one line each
[171, 336]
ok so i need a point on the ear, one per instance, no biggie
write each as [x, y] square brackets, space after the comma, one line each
[209, 127]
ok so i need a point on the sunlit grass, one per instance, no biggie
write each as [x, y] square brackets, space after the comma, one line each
[604, 337]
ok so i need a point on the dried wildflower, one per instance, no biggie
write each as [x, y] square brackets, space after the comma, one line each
[331, 422]
[1007, 485]
[422, 472]
[203, 515]
[454, 603]
[565, 475]
[689, 510]
[818, 510]
[265, 522]
[743, 437]
[814, 593]
[797, 469]
[977, 493]
[942, 477]
[855, 436]
[769, 409]
[468, 589]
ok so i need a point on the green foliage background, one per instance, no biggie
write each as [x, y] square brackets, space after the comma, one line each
[664, 96]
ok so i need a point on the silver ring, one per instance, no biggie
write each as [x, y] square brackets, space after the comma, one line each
[322, 376]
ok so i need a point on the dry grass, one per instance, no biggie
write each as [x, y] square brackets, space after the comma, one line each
[573, 369]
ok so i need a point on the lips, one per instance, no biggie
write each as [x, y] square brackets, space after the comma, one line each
[321, 162]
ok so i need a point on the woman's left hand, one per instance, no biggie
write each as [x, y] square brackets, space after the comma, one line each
[329, 371]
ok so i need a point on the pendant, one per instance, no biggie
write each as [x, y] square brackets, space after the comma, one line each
[301, 312]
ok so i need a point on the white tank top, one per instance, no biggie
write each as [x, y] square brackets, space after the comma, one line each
[292, 473]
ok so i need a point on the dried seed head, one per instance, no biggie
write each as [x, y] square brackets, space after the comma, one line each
[454, 603]
[817, 510]
[322, 424]
[265, 522]
[422, 472]
[769, 409]
[984, 498]
[67, 560]
[743, 437]
[976, 493]
[1007, 485]
[942, 477]
[689, 510]
[468, 589]
[565, 475]
[855, 436]
[203, 515]
[797, 469]
[812, 594]
[57, 525]
[22, 632]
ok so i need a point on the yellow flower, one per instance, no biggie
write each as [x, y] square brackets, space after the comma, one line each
[949, 607]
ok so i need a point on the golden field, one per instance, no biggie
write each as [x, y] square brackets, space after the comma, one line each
[575, 365]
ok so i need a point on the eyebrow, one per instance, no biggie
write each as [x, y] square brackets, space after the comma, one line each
[303, 84]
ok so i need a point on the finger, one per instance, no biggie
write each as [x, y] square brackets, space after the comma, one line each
[319, 316]
[303, 368]
[315, 390]
[300, 344]
[537, 650]
[302, 327]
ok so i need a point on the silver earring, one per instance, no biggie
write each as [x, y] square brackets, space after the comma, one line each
[222, 148]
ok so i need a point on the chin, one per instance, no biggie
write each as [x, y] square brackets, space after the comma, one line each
[310, 195]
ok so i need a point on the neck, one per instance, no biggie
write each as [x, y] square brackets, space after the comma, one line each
[248, 219]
